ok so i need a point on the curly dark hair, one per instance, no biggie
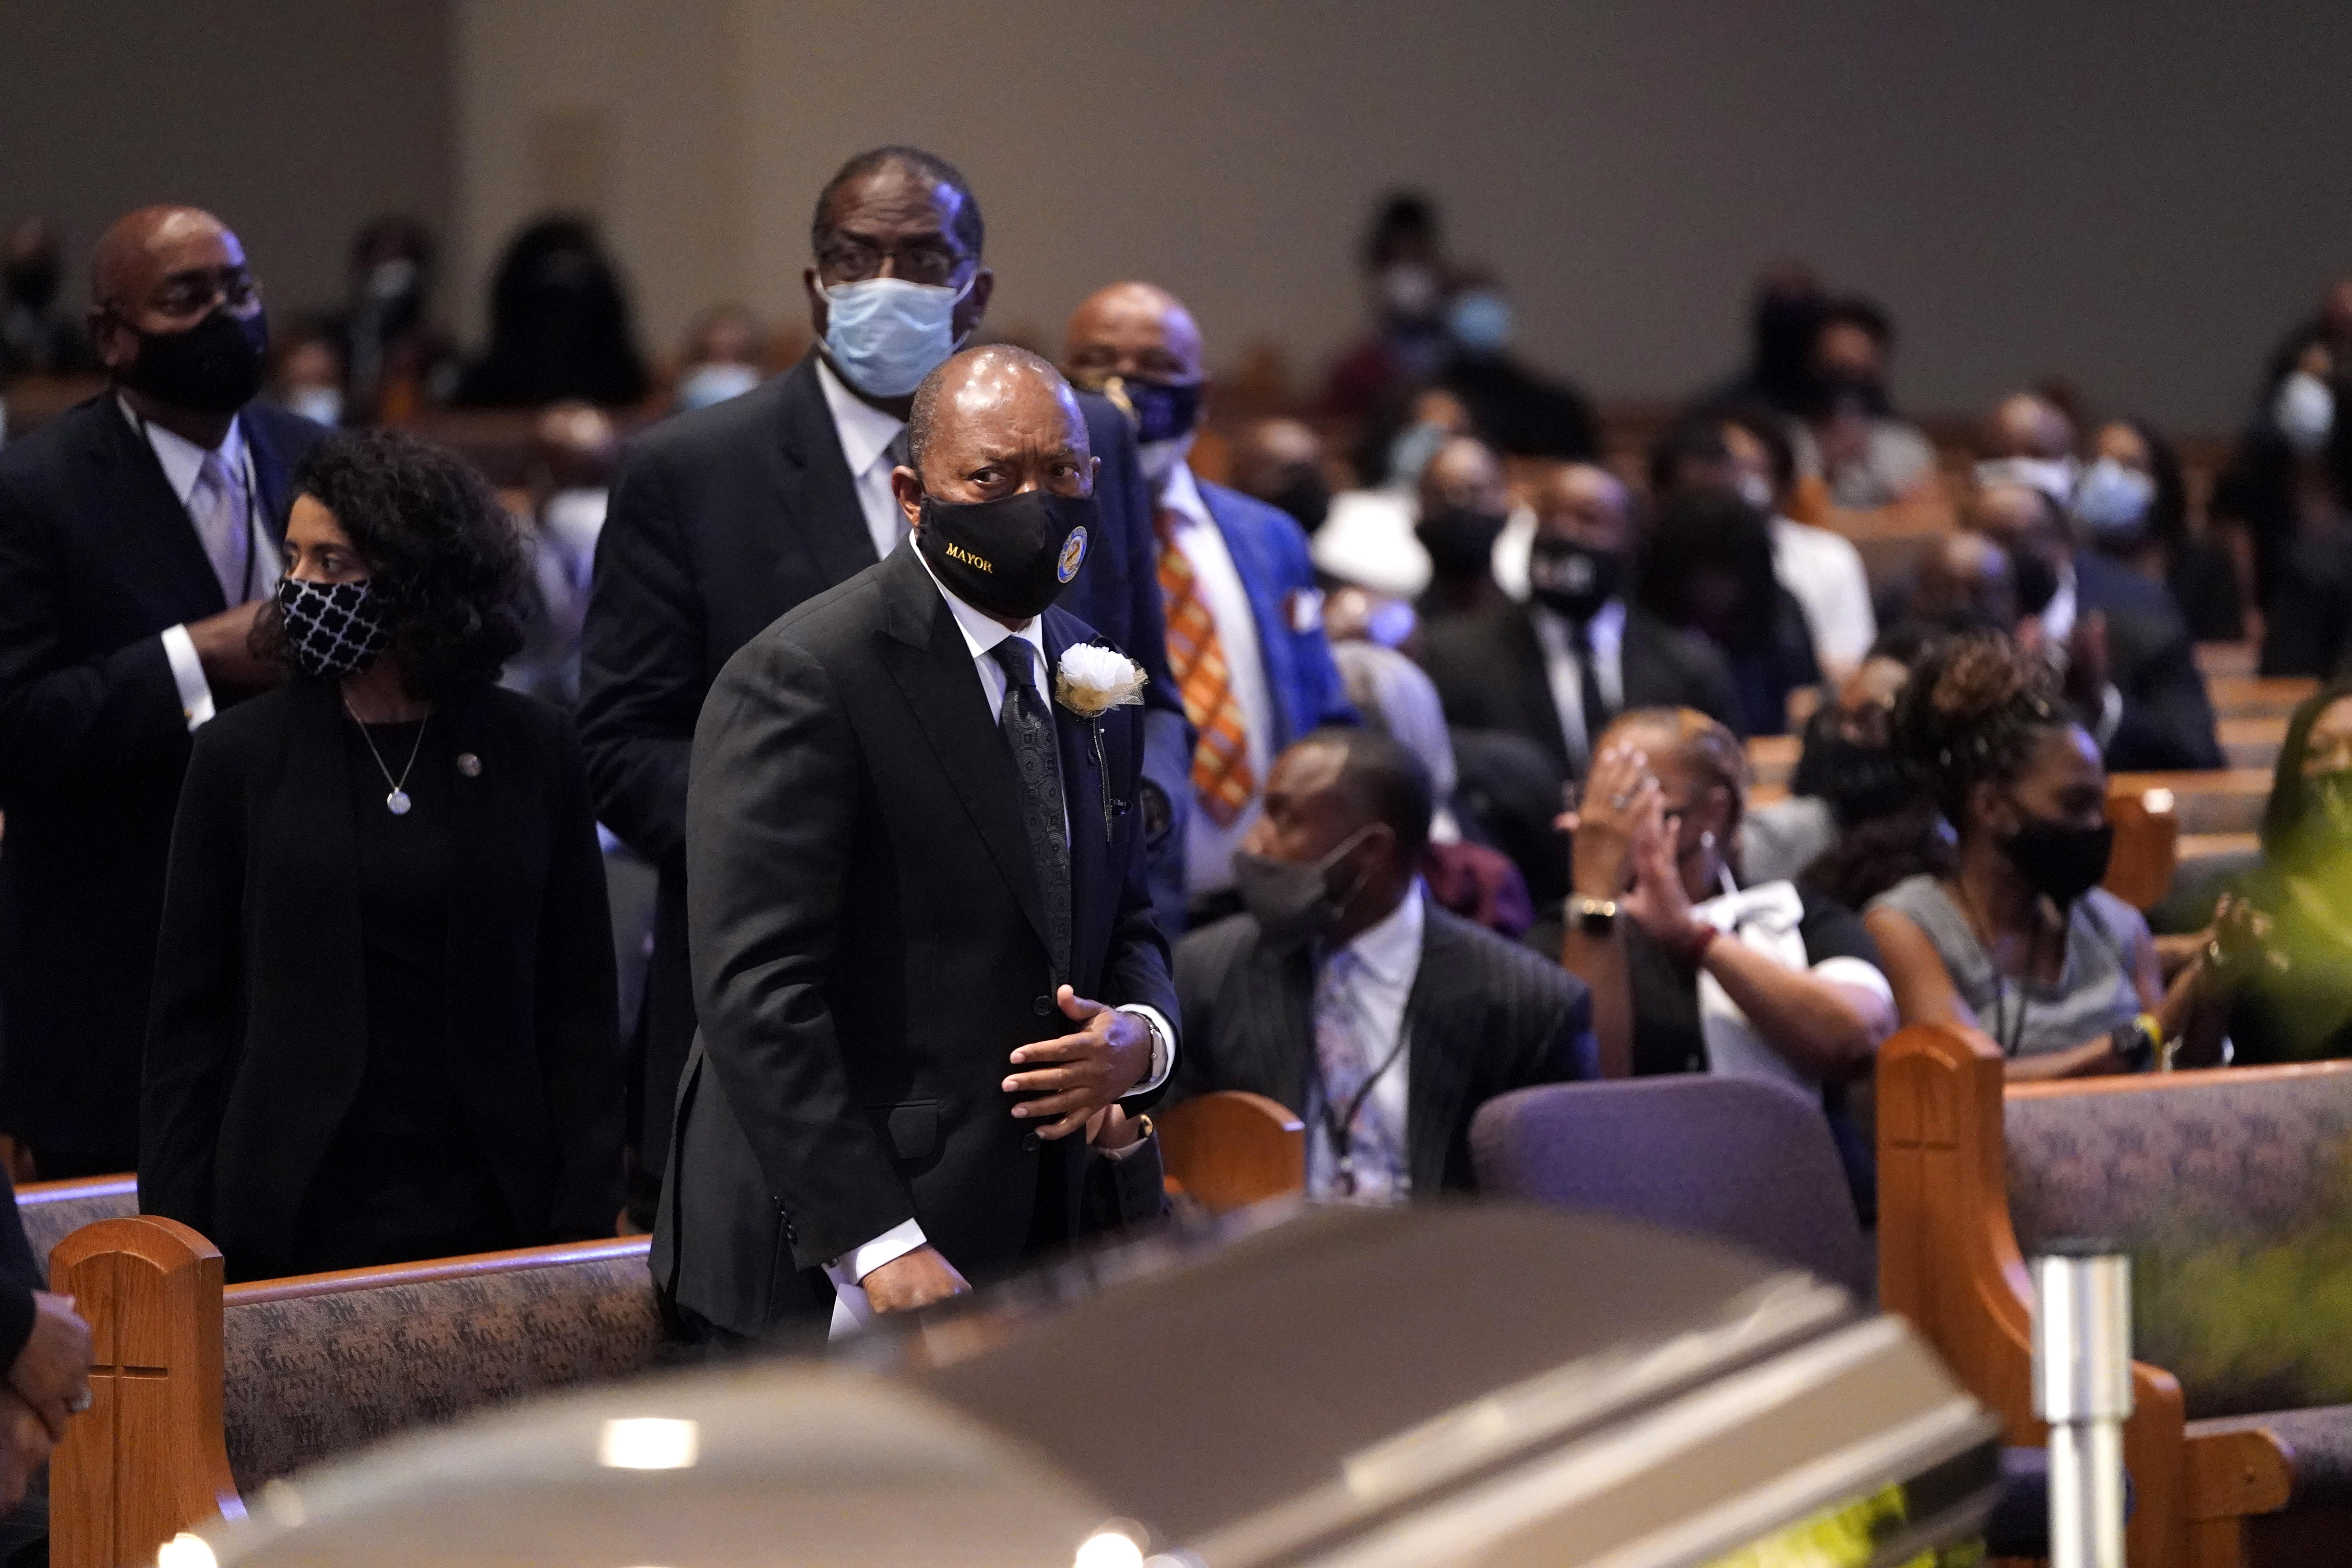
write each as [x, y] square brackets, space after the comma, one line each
[446, 562]
[1975, 707]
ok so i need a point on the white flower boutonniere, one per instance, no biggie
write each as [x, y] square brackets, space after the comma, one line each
[1091, 682]
[1093, 679]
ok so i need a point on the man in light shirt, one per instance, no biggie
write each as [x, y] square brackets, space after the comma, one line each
[1245, 621]
[139, 537]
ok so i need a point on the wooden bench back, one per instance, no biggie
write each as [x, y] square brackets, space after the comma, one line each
[1231, 1148]
[51, 1211]
[202, 1393]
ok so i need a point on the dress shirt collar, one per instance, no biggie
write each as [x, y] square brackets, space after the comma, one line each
[1390, 948]
[182, 459]
[864, 430]
[981, 631]
[1605, 629]
[1182, 496]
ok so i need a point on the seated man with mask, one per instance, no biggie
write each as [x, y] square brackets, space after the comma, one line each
[1346, 994]
[1244, 620]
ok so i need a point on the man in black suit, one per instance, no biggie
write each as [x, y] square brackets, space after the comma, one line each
[2130, 662]
[910, 863]
[725, 518]
[1346, 994]
[139, 534]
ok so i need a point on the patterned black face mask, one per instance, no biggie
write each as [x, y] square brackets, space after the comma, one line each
[332, 628]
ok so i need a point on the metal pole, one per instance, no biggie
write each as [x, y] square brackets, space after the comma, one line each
[2082, 1387]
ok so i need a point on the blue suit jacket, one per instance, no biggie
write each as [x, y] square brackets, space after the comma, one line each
[1269, 551]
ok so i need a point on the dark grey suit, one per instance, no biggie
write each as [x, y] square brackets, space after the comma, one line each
[1486, 1015]
[869, 948]
[2167, 720]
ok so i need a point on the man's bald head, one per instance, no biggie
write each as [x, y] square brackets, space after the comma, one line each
[2028, 425]
[142, 246]
[1584, 504]
[1965, 579]
[986, 387]
[1138, 331]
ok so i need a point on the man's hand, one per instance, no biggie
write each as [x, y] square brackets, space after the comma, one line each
[25, 1445]
[1093, 1068]
[911, 1280]
[52, 1372]
[223, 645]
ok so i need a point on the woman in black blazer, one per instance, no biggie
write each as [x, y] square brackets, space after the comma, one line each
[384, 1025]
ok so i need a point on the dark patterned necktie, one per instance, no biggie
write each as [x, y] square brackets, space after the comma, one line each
[1029, 731]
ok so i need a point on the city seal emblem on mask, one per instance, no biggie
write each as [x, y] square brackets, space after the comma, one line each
[1073, 555]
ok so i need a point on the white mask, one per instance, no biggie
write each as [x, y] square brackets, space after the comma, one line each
[2054, 476]
[707, 384]
[2304, 412]
[1158, 458]
[885, 334]
[1755, 490]
[2112, 501]
[319, 405]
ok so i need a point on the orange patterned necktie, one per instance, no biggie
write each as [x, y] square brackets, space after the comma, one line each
[1221, 766]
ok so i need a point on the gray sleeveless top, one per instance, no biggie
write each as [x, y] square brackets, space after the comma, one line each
[2094, 995]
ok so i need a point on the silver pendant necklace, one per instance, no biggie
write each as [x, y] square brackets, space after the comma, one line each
[397, 802]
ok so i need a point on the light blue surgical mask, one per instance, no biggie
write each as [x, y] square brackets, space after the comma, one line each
[2304, 412]
[707, 384]
[1479, 320]
[2112, 501]
[1411, 451]
[885, 334]
[319, 405]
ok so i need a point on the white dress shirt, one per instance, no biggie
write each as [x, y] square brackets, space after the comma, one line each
[1209, 849]
[1562, 672]
[1387, 956]
[981, 634]
[1823, 573]
[184, 464]
[866, 434]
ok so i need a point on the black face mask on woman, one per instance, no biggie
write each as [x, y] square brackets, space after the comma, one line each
[1460, 540]
[1011, 557]
[212, 367]
[2061, 861]
[1570, 578]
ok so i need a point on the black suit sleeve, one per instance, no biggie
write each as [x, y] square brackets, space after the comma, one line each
[2167, 720]
[578, 1013]
[771, 814]
[641, 665]
[197, 1018]
[20, 1275]
[1565, 1049]
[64, 725]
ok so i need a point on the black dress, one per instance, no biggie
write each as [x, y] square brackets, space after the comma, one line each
[2303, 1012]
[404, 1176]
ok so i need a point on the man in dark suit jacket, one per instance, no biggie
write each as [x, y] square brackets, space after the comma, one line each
[911, 871]
[725, 518]
[1346, 994]
[1246, 643]
[2132, 664]
[139, 534]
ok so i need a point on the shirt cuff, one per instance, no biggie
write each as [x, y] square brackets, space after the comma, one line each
[2111, 715]
[1163, 1047]
[893, 1244]
[188, 675]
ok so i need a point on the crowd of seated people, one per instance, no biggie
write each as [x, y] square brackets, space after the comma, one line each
[1446, 785]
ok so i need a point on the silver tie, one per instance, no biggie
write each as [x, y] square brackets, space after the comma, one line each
[217, 506]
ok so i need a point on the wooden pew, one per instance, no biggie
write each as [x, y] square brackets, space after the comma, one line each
[1950, 1261]
[1231, 1148]
[2257, 697]
[2148, 846]
[203, 1396]
[2226, 800]
[51, 1211]
[2240, 658]
[2253, 743]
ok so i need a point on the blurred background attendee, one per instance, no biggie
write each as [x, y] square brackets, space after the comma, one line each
[726, 356]
[1244, 620]
[558, 325]
[2283, 949]
[1342, 992]
[1406, 275]
[1466, 873]
[2129, 663]
[1368, 535]
[1744, 449]
[1846, 775]
[1521, 410]
[1281, 461]
[1462, 501]
[2132, 504]
[1555, 669]
[2019, 939]
[1849, 433]
[398, 361]
[306, 375]
[1706, 569]
[1963, 581]
[1693, 969]
[38, 336]
[2030, 439]
[574, 450]
[1783, 319]
[385, 1027]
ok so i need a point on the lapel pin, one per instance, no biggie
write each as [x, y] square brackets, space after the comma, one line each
[470, 764]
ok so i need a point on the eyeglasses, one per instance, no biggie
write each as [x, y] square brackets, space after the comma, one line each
[928, 261]
[192, 293]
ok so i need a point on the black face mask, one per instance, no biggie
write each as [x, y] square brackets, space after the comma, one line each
[1010, 558]
[1292, 901]
[33, 283]
[1572, 579]
[1307, 499]
[2061, 861]
[1862, 784]
[1460, 542]
[212, 367]
[2036, 579]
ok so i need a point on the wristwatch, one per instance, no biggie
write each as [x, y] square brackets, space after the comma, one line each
[2138, 1042]
[1593, 917]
